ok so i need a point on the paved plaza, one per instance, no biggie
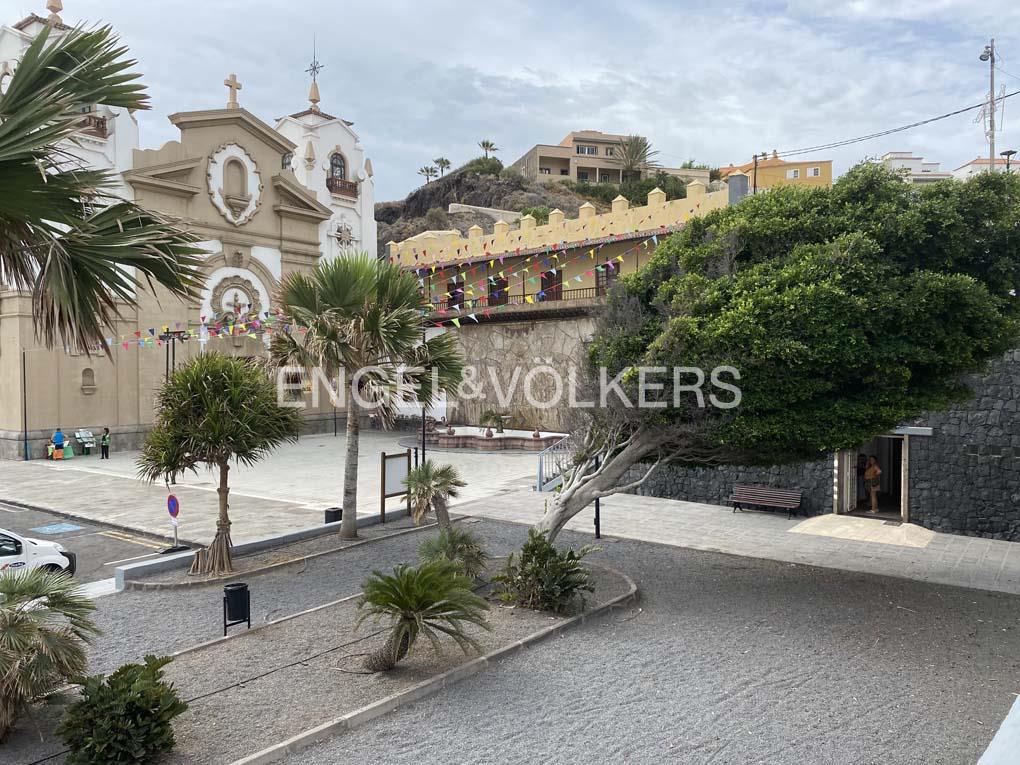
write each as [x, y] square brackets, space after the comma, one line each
[285, 492]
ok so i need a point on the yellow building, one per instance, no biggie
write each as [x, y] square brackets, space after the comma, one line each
[772, 171]
[520, 294]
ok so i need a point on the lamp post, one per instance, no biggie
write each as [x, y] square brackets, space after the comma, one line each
[988, 54]
[1008, 154]
[170, 338]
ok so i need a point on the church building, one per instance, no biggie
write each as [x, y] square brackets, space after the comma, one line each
[264, 201]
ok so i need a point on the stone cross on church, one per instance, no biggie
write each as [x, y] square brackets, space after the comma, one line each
[232, 83]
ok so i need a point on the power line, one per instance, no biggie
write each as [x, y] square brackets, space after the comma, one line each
[879, 134]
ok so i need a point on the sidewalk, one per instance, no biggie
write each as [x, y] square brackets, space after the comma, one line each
[285, 492]
[832, 541]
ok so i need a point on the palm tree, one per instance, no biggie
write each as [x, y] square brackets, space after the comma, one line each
[460, 546]
[443, 164]
[635, 155]
[430, 487]
[487, 146]
[63, 236]
[428, 172]
[214, 410]
[432, 599]
[362, 318]
[44, 626]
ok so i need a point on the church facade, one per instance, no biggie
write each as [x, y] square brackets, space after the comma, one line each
[264, 201]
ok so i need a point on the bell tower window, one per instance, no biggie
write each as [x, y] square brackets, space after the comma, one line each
[338, 167]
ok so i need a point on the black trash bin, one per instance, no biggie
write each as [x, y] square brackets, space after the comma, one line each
[237, 599]
[334, 514]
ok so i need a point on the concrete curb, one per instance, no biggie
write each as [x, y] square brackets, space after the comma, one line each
[183, 560]
[434, 685]
[1004, 746]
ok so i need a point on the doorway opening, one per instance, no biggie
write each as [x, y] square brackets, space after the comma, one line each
[852, 497]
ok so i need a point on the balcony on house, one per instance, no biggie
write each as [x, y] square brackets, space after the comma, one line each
[95, 125]
[342, 187]
[537, 302]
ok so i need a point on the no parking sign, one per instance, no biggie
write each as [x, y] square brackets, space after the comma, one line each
[173, 507]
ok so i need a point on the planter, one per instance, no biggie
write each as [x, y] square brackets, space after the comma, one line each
[488, 432]
[537, 433]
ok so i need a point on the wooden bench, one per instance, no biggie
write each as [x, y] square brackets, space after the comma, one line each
[766, 497]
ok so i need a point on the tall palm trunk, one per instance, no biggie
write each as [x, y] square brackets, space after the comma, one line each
[349, 521]
[442, 514]
[217, 558]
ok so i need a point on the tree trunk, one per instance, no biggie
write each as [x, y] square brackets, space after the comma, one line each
[349, 522]
[217, 558]
[442, 514]
[584, 487]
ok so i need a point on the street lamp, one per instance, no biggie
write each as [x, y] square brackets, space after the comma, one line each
[1008, 154]
[988, 54]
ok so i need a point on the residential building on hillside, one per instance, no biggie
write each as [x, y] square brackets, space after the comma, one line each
[917, 170]
[588, 155]
[774, 171]
[981, 165]
[526, 293]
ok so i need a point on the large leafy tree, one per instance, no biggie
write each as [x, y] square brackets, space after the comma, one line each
[45, 624]
[362, 318]
[81, 252]
[846, 312]
[212, 411]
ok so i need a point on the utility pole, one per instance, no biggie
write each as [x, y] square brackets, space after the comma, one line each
[989, 56]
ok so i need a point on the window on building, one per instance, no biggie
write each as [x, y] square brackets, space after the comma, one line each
[544, 171]
[338, 166]
[604, 279]
[815, 172]
[287, 161]
[552, 285]
[606, 178]
[582, 175]
[498, 291]
[609, 151]
[456, 290]
[564, 171]
[590, 151]
[793, 174]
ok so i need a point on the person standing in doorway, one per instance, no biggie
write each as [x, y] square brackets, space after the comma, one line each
[104, 445]
[872, 480]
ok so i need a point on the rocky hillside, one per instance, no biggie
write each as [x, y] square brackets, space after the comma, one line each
[506, 191]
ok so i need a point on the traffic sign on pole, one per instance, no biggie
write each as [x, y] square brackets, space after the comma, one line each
[173, 506]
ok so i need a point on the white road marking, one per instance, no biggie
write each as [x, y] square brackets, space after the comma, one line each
[8, 509]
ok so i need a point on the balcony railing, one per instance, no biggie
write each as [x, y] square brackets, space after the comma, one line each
[494, 300]
[342, 187]
[95, 125]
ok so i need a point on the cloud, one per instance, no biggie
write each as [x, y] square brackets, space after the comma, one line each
[714, 82]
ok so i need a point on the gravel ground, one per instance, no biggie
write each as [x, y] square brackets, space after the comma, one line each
[726, 660]
[730, 660]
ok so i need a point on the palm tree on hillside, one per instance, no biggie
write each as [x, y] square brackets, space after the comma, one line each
[428, 172]
[64, 237]
[363, 315]
[443, 164]
[487, 146]
[635, 156]
[213, 411]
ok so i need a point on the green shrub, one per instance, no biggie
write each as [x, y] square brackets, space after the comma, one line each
[510, 173]
[437, 219]
[545, 578]
[123, 718]
[458, 546]
[430, 599]
[540, 214]
[490, 166]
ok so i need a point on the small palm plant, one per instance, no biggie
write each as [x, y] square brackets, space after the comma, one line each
[431, 487]
[44, 626]
[431, 599]
[487, 146]
[214, 410]
[443, 164]
[459, 546]
[428, 173]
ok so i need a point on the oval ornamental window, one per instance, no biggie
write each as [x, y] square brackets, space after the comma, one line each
[338, 167]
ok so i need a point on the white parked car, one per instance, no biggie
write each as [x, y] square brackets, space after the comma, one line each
[18, 552]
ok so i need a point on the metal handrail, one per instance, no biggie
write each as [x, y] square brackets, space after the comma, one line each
[554, 462]
[543, 296]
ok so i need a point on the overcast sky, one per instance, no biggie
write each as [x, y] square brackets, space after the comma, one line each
[712, 81]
